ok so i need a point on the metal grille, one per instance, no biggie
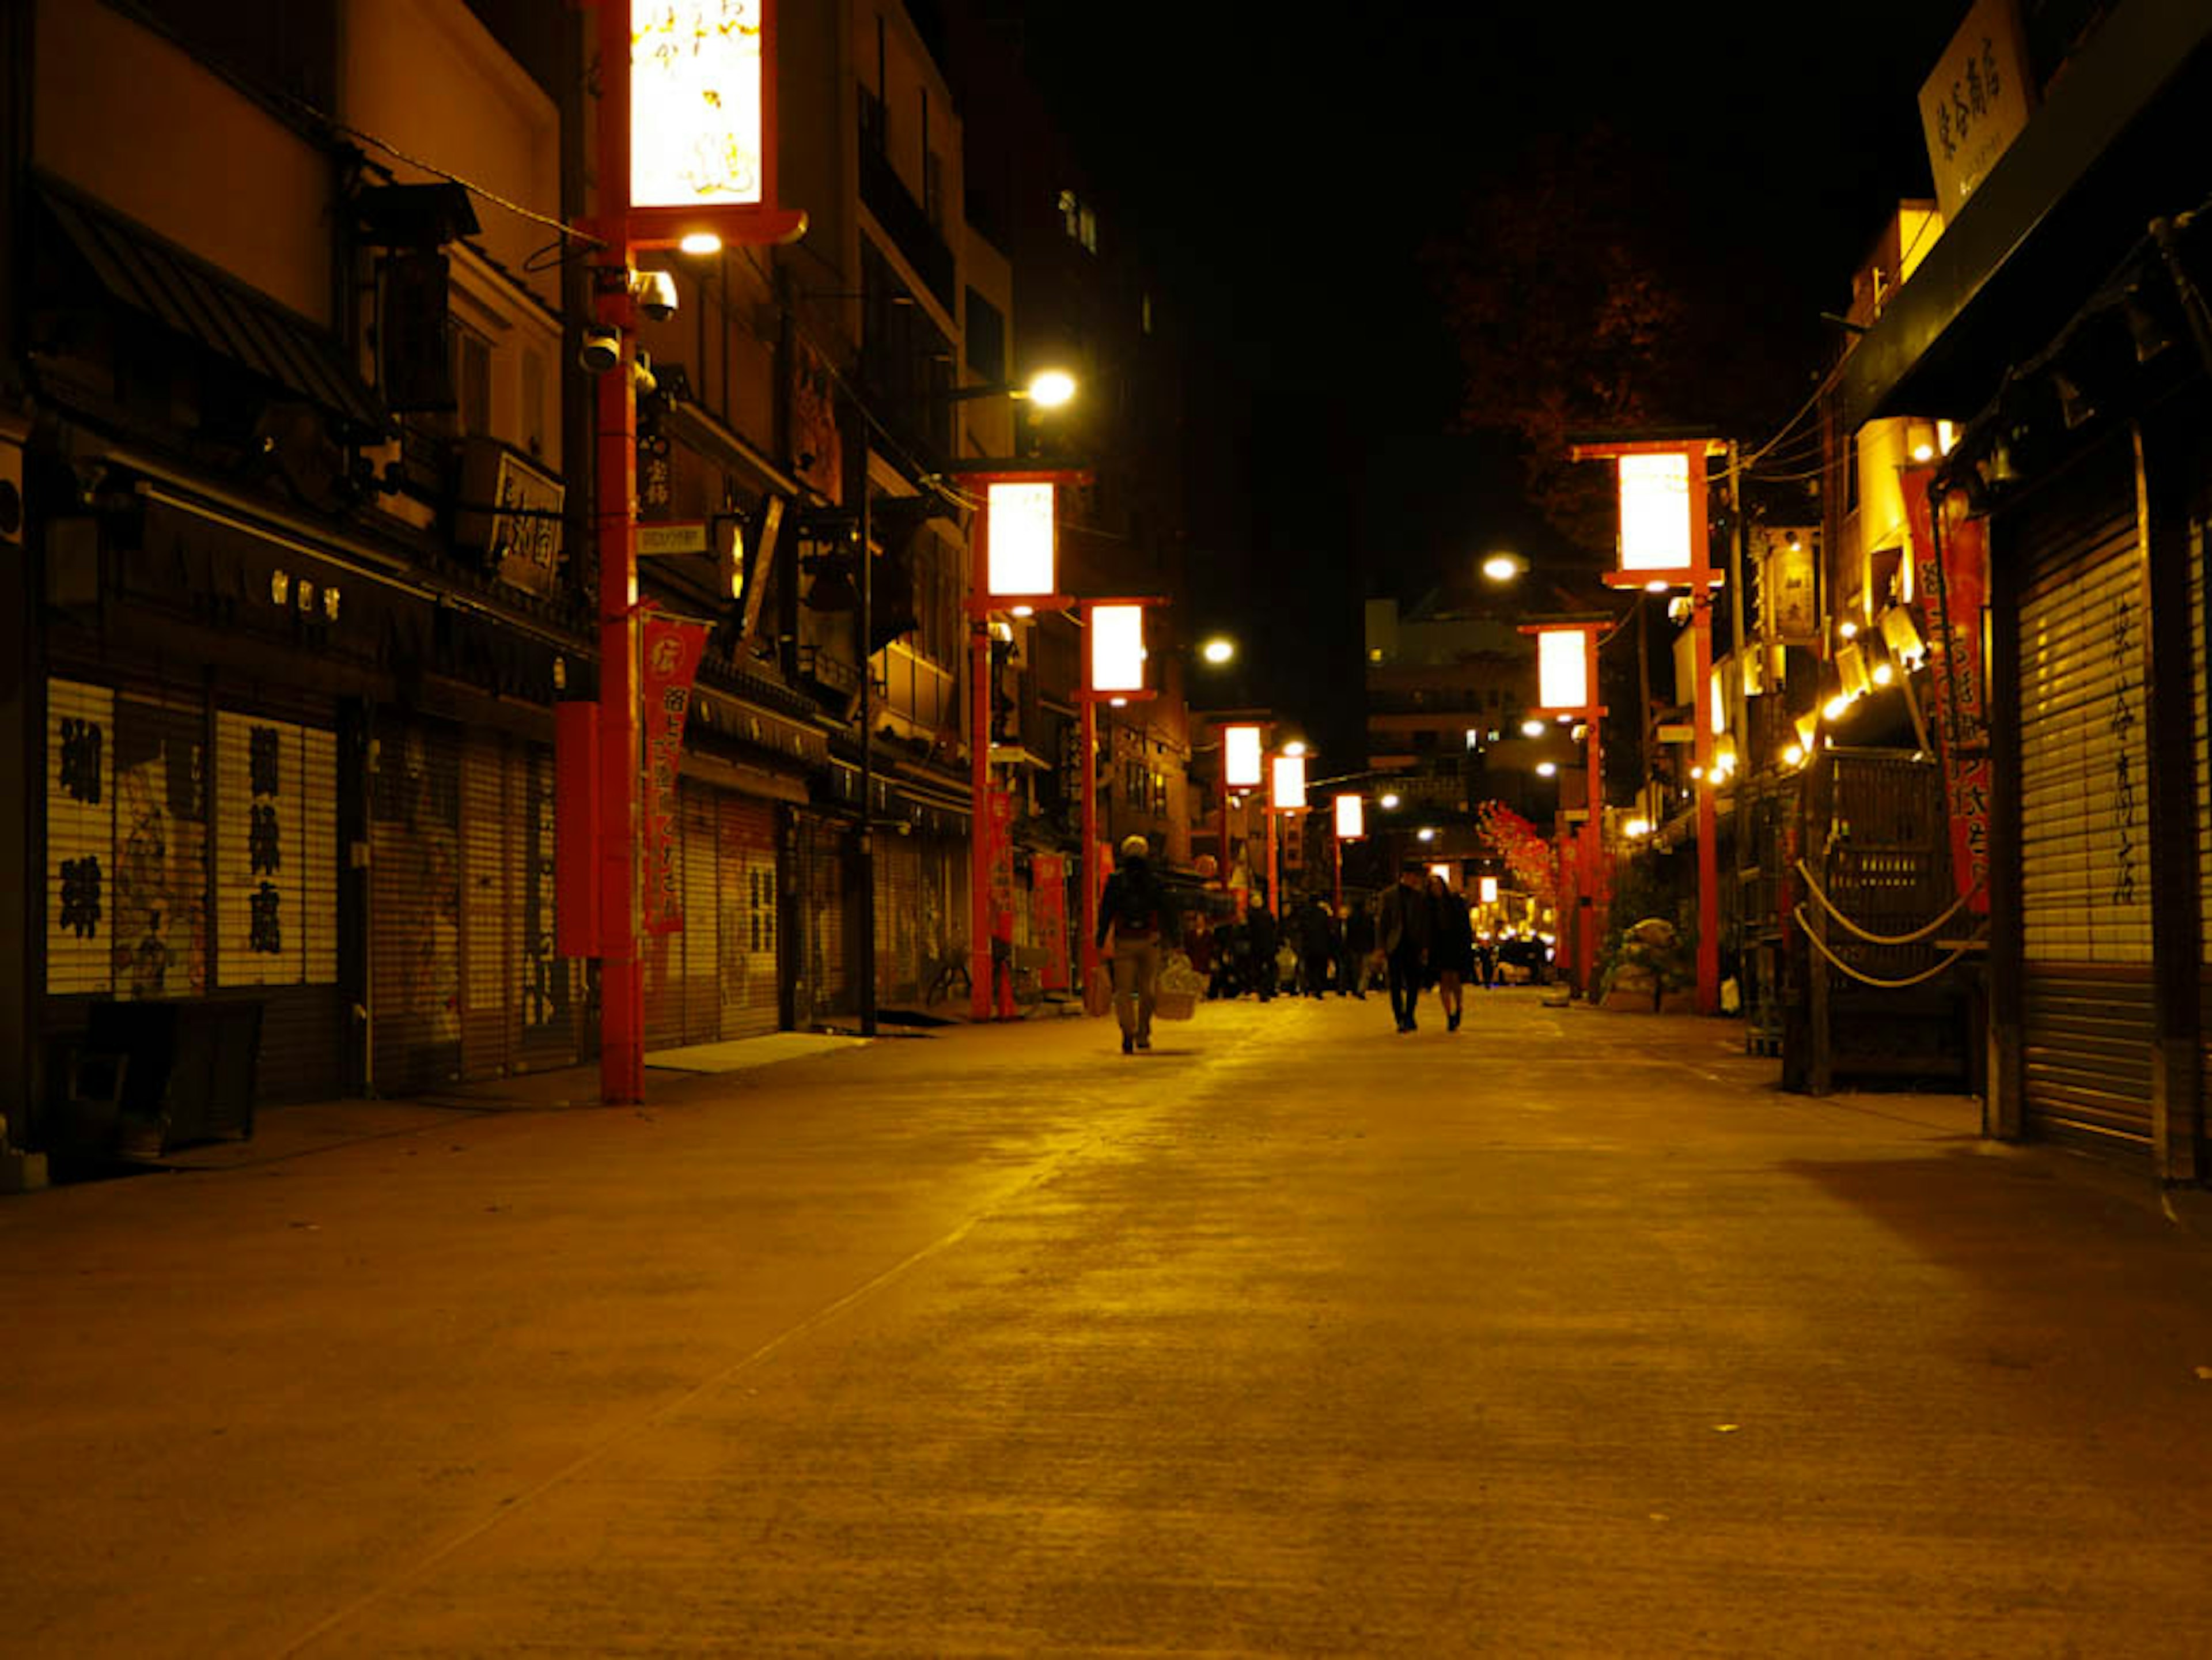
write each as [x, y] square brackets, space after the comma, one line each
[2085, 781]
[415, 908]
[2087, 1033]
[488, 1035]
[822, 919]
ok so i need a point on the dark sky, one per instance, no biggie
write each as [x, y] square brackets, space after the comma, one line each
[1286, 176]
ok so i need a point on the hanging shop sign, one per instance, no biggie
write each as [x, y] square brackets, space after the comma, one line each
[512, 512]
[1976, 103]
[701, 117]
[670, 651]
[1954, 591]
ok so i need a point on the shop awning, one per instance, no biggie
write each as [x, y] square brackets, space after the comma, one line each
[194, 300]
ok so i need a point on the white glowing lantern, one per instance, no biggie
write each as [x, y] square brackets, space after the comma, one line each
[1117, 648]
[1563, 677]
[1021, 537]
[1655, 512]
[1289, 795]
[1442, 873]
[696, 82]
[1240, 750]
[1350, 818]
[1489, 890]
[1719, 699]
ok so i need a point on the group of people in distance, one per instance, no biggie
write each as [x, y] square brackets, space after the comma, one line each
[1421, 932]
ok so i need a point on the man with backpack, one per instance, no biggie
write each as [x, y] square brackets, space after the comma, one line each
[1136, 915]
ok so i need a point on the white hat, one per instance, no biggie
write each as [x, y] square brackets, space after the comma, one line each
[1134, 846]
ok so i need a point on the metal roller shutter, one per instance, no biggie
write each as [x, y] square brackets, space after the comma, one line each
[2085, 818]
[489, 1036]
[2201, 698]
[702, 914]
[276, 861]
[415, 907]
[823, 960]
[898, 919]
[751, 1003]
[549, 989]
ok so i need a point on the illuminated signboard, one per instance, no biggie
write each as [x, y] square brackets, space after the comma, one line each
[1562, 676]
[1350, 818]
[1489, 890]
[1290, 792]
[1117, 648]
[1240, 749]
[695, 105]
[1021, 538]
[1655, 512]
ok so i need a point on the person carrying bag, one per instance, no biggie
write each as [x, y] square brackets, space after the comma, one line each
[1137, 923]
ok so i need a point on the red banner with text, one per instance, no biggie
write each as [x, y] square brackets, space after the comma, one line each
[1049, 915]
[671, 652]
[1953, 592]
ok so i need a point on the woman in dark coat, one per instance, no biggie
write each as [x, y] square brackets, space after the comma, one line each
[1452, 960]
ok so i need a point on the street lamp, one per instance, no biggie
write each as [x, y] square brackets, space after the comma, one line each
[1567, 689]
[1219, 651]
[662, 116]
[1048, 389]
[1502, 568]
[1114, 658]
[1666, 543]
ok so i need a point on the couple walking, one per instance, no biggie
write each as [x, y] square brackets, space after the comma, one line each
[1428, 939]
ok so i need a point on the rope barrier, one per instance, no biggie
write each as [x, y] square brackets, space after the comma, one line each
[1821, 945]
[1914, 937]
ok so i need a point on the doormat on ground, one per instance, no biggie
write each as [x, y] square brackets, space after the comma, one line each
[741, 1054]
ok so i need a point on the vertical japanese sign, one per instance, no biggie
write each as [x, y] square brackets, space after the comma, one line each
[998, 845]
[80, 837]
[1048, 910]
[276, 852]
[1959, 676]
[672, 650]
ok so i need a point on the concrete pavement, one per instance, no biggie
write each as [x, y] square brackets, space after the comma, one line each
[1564, 1334]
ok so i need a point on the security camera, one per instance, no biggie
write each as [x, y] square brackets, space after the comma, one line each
[656, 295]
[602, 347]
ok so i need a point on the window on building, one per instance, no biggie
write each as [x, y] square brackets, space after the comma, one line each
[932, 189]
[1144, 313]
[987, 339]
[471, 379]
[1071, 214]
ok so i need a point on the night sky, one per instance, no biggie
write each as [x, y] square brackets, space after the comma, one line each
[1286, 181]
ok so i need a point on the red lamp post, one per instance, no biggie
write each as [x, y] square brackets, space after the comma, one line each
[1113, 673]
[1566, 685]
[1013, 567]
[1666, 543]
[660, 116]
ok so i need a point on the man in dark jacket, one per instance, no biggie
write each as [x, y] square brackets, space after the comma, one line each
[1408, 928]
[1316, 942]
[1260, 937]
[1138, 915]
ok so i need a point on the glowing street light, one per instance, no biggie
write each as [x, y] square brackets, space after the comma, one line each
[1050, 389]
[1389, 803]
[1532, 727]
[1504, 567]
[1219, 650]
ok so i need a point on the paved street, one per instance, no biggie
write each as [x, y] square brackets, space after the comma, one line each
[1564, 1334]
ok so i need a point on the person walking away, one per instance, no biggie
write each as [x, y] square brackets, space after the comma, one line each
[1486, 958]
[1228, 958]
[1259, 936]
[1136, 915]
[1408, 929]
[1454, 956]
[1316, 949]
[1357, 938]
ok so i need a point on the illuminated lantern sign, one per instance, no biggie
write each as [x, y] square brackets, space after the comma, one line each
[1489, 890]
[1290, 793]
[1563, 669]
[1117, 648]
[1240, 750]
[695, 81]
[1655, 512]
[1442, 873]
[1021, 539]
[1350, 818]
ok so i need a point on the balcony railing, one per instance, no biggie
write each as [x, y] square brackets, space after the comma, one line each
[884, 194]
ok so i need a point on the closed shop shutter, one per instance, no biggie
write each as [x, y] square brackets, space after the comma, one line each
[703, 914]
[487, 1038]
[2085, 816]
[415, 906]
[751, 1003]
[549, 987]
[899, 918]
[824, 958]
[276, 860]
